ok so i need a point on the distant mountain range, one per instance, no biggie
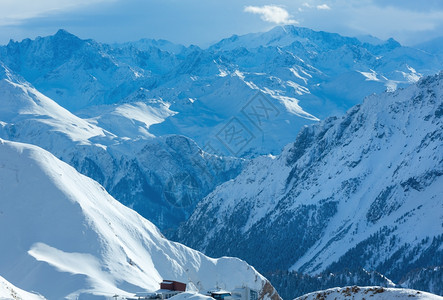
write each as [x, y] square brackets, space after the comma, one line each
[162, 178]
[243, 96]
[241, 149]
[305, 76]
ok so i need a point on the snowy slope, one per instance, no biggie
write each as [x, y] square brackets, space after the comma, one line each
[200, 93]
[376, 293]
[360, 191]
[162, 178]
[428, 279]
[132, 118]
[433, 46]
[35, 115]
[67, 237]
[10, 292]
[191, 296]
[305, 75]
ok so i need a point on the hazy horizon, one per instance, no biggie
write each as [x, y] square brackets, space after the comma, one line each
[201, 23]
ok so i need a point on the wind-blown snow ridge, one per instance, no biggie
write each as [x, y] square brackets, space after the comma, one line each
[67, 237]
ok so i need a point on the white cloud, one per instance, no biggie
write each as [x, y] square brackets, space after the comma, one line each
[272, 13]
[15, 11]
[323, 7]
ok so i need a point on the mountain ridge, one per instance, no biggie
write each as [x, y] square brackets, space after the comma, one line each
[84, 242]
[348, 187]
[359, 191]
[162, 178]
[310, 76]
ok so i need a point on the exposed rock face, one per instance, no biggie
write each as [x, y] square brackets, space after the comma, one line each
[360, 191]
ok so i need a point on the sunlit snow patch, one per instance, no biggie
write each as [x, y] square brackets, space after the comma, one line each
[370, 76]
[78, 263]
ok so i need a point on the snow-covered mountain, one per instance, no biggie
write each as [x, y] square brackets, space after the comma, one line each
[433, 46]
[291, 284]
[360, 191]
[147, 44]
[161, 178]
[371, 292]
[305, 75]
[9, 291]
[76, 72]
[265, 85]
[64, 237]
[357, 193]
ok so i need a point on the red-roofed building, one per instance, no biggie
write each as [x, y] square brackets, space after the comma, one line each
[173, 285]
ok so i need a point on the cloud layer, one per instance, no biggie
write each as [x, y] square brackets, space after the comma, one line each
[323, 7]
[16, 11]
[272, 13]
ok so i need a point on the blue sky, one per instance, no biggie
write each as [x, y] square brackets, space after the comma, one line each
[202, 22]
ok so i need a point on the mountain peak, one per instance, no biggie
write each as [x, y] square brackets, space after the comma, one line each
[62, 37]
[289, 30]
[64, 33]
[393, 43]
[295, 28]
[284, 36]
